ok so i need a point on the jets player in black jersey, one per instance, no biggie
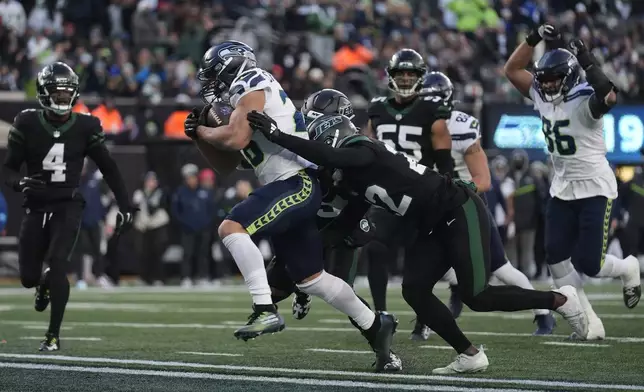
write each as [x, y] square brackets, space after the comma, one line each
[416, 126]
[435, 205]
[470, 163]
[53, 142]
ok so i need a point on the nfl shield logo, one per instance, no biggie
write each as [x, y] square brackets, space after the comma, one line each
[56, 134]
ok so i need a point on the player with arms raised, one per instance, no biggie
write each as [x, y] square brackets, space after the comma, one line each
[470, 163]
[286, 205]
[53, 142]
[417, 127]
[584, 185]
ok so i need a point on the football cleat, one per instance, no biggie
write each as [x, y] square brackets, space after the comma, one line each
[420, 333]
[455, 303]
[632, 284]
[260, 322]
[572, 310]
[41, 300]
[301, 305]
[394, 364]
[382, 343]
[50, 343]
[595, 331]
[466, 364]
[545, 324]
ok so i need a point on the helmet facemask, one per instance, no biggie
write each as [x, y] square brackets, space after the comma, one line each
[216, 81]
[58, 98]
[405, 83]
[552, 85]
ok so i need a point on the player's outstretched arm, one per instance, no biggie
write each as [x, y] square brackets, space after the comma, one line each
[442, 145]
[14, 159]
[515, 70]
[476, 162]
[237, 134]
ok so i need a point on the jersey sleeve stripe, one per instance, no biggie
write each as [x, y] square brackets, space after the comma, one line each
[581, 93]
[96, 139]
[465, 136]
[15, 135]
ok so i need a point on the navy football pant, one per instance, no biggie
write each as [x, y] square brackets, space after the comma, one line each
[286, 212]
[578, 229]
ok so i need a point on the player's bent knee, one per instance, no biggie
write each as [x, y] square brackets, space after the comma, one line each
[228, 227]
[29, 281]
[412, 294]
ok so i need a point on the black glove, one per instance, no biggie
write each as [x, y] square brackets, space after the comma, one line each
[580, 50]
[124, 220]
[545, 32]
[32, 186]
[361, 235]
[191, 124]
[203, 116]
[260, 122]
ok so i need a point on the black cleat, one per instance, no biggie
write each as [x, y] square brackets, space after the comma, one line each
[420, 333]
[382, 342]
[262, 321]
[42, 293]
[50, 343]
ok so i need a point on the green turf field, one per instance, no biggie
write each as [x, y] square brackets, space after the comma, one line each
[174, 340]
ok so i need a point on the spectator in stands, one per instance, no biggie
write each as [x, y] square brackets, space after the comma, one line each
[109, 115]
[3, 215]
[13, 15]
[194, 209]
[151, 223]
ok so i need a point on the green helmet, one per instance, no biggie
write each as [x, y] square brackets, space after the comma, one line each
[331, 129]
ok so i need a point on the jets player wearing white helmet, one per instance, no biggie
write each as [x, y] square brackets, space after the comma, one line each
[286, 205]
[584, 185]
[470, 163]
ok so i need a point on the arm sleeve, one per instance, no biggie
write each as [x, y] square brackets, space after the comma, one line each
[97, 151]
[324, 155]
[14, 159]
[347, 220]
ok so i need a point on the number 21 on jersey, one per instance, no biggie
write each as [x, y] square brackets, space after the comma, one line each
[54, 162]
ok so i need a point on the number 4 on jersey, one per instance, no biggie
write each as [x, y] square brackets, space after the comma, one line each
[54, 162]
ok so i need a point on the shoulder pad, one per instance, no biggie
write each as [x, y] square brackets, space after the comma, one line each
[581, 90]
[251, 80]
[24, 116]
[356, 139]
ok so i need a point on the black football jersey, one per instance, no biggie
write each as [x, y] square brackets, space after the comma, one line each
[52, 152]
[400, 185]
[407, 127]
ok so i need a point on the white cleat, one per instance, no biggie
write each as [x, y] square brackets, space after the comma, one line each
[465, 364]
[632, 284]
[595, 331]
[572, 310]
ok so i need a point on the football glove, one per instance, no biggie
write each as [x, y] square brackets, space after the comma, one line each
[191, 124]
[580, 50]
[546, 32]
[203, 116]
[260, 122]
[32, 186]
[361, 235]
[124, 220]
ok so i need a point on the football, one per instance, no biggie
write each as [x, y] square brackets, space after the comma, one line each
[222, 161]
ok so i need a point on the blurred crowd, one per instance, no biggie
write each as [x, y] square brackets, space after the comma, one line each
[152, 47]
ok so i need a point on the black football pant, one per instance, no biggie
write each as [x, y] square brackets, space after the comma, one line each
[50, 238]
[461, 240]
[340, 261]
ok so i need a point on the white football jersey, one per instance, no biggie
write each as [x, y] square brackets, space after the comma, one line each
[465, 132]
[270, 161]
[576, 144]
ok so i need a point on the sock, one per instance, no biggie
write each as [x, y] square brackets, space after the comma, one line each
[377, 274]
[513, 277]
[433, 313]
[450, 277]
[250, 262]
[564, 273]
[613, 267]
[341, 296]
[59, 295]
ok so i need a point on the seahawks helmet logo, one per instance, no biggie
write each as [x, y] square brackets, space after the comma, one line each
[232, 51]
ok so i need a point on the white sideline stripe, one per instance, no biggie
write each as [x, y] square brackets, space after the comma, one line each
[39, 327]
[210, 354]
[576, 344]
[65, 338]
[328, 350]
[625, 339]
[256, 379]
[439, 347]
[6, 308]
[320, 372]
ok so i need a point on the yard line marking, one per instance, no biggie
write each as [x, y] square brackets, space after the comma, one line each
[327, 373]
[328, 350]
[65, 338]
[576, 344]
[256, 379]
[438, 347]
[210, 354]
[624, 339]
[333, 321]
[39, 327]
[6, 308]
